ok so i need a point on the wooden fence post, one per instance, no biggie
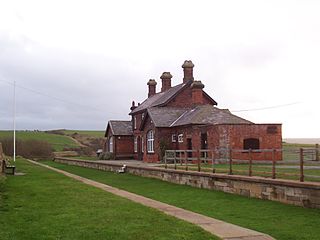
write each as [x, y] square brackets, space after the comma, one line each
[213, 159]
[186, 159]
[230, 161]
[301, 165]
[199, 167]
[317, 152]
[175, 160]
[165, 160]
[273, 164]
[250, 162]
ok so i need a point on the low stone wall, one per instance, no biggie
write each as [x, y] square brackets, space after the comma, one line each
[306, 194]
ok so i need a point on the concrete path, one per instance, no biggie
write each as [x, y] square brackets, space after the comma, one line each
[219, 228]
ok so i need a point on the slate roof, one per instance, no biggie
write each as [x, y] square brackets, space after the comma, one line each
[209, 115]
[120, 128]
[200, 115]
[165, 116]
[160, 98]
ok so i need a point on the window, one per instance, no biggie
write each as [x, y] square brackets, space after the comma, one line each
[142, 144]
[111, 144]
[142, 116]
[150, 142]
[251, 143]
[173, 137]
[180, 138]
[135, 122]
[272, 129]
[135, 145]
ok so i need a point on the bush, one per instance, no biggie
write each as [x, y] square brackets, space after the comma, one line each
[27, 148]
[106, 156]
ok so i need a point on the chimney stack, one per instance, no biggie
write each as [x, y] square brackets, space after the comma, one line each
[133, 106]
[197, 92]
[166, 81]
[152, 87]
[187, 71]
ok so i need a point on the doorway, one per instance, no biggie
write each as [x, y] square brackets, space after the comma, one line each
[189, 147]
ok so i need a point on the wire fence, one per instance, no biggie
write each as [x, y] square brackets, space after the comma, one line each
[294, 163]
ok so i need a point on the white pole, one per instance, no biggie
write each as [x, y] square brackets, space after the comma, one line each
[14, 121]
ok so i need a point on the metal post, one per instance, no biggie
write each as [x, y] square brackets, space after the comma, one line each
[273, 164]
[14, 121]
[317, 152]
[199, 167]
[230, 161]
[301, 165]
[250, 162]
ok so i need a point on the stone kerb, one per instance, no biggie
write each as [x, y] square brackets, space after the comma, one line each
[306, 194]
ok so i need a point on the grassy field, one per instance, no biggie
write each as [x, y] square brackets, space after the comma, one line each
[90, 133]
[58, 142]
[279, 220]
[46, 205]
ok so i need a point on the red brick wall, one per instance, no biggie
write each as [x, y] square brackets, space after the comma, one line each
[185, 99]
[123, 145]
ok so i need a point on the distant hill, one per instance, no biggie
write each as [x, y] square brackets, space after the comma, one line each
[302, 140]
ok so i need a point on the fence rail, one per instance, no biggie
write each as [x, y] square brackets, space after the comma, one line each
[226, 161]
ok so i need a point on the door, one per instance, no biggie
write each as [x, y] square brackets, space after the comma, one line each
[204, 144]
[140, 154]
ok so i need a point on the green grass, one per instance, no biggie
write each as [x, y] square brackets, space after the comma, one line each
[85, 158]
[47, 205]
[91, 133]
[58, 142]
[278, 220]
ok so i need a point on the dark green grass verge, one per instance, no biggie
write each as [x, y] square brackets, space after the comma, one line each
[47, 205]
[278, 220]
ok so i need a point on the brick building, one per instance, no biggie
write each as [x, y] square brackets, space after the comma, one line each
[185, 117]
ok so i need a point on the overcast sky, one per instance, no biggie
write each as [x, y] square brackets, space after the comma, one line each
[78, 64]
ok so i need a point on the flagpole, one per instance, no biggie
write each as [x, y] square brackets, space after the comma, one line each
[14, 121]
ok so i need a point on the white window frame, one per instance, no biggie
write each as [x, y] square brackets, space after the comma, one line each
[135, 122]
[150, 141]
[142, 144]
[174, 138]
[135, 144]
[110, 145]
[180, 138]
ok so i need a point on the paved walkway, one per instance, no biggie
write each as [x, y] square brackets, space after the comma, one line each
[219, 228]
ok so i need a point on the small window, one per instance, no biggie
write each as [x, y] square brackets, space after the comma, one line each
[111, 144]
[272, 129]
[135, 122]
[150, 142]
[251, 143]
[180, 138]
[142, 116]
[135, 144]
[173, 137]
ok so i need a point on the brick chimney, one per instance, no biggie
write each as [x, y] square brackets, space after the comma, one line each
[152, 87]
[187, 71]
[133, 106]
[197, 93]
[166, 81]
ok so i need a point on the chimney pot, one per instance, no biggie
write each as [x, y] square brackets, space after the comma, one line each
[133, 106]
[187, 71]
[152, 87]
[166, 81]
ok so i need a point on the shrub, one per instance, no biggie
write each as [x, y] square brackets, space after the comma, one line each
[106, 156]
[27, 148]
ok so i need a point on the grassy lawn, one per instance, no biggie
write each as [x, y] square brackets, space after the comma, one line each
[46, 205]
[278, 220]
[58, 142]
